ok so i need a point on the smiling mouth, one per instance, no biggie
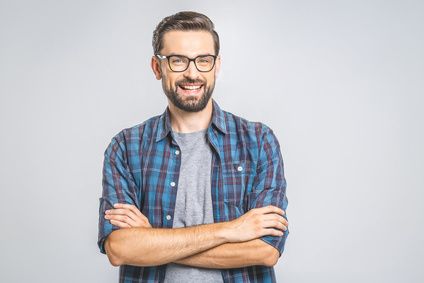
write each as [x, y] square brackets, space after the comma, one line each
[190, 88]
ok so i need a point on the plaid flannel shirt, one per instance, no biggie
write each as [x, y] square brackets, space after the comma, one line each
[141, 167]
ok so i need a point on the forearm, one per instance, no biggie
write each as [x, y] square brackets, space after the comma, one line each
[156, 246]
[234, 255]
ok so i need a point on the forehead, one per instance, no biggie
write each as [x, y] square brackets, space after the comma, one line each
[189, 43]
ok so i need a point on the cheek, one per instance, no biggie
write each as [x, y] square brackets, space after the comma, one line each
[169, 81]
[210, 80]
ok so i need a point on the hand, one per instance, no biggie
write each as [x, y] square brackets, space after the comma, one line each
[126, 216]
[256, 223]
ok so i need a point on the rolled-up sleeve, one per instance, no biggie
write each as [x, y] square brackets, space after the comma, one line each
[118, 185]
[269, 186]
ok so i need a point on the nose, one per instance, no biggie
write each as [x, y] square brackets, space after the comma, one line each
[191, 71]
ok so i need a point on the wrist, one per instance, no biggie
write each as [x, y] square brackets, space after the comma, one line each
[222, 231]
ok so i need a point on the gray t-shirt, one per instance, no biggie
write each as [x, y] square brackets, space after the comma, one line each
[194, 201]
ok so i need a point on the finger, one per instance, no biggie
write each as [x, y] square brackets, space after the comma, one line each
[135, 221]
[118, 211]
[271, 209]
[125, 211]
[122, 218]
[274, 216]
[272, 232]
[119, 224]
[274, 224]
[131, 207]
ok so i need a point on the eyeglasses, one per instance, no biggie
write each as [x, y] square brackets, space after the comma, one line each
[180, 63]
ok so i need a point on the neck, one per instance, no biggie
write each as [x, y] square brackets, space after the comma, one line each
[188, 122]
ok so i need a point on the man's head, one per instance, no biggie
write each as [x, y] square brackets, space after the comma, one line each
[188, 84]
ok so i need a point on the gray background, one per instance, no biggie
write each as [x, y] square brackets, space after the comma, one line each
[339, 82]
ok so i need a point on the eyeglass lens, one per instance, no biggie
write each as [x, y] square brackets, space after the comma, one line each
[180, 63]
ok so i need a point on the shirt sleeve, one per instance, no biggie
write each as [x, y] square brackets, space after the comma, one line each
[269, 187]
[118, 185]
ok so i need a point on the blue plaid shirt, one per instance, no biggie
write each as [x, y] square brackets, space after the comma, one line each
[141, 167]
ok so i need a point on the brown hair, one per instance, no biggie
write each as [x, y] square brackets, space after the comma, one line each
[184, 21]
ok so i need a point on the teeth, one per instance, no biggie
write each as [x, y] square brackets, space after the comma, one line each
[191, 87]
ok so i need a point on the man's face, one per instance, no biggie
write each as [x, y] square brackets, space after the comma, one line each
[191, 89]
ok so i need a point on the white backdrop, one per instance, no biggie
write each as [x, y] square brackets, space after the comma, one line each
[339, 82]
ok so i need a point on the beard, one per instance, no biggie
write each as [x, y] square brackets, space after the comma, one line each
[188, 103]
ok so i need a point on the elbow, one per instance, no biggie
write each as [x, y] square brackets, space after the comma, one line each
[271, 258]
[112, 251]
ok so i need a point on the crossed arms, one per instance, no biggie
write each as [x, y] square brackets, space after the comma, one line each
[255, 238]
[229, 244]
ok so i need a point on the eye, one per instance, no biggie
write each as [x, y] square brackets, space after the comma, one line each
[176, 60]
[204, 60]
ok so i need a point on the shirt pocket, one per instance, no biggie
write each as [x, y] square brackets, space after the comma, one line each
[237, 183]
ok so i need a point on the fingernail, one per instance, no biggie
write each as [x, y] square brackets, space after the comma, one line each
[107, 211]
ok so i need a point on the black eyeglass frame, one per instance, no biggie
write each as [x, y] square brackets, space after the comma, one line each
[163, 57]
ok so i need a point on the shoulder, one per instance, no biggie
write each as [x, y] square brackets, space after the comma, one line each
[242, 127]
[132, 137]
[250, 140]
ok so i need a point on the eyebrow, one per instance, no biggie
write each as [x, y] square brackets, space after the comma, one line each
[176, 54]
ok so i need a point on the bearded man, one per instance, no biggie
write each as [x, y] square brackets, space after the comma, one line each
[196, 194]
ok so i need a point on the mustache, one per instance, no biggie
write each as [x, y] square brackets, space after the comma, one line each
[189, 81]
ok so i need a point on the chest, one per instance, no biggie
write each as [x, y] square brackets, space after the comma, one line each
[231, 172]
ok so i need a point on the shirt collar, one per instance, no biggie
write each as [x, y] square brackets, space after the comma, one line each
[164, 121]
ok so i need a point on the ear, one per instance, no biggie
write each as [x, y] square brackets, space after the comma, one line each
[155, 64]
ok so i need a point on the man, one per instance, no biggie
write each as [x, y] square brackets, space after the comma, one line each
[196, 194]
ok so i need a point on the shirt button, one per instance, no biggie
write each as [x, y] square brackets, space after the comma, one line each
[239, 168]
[177, 152]
[168, 217]
[172, 184]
